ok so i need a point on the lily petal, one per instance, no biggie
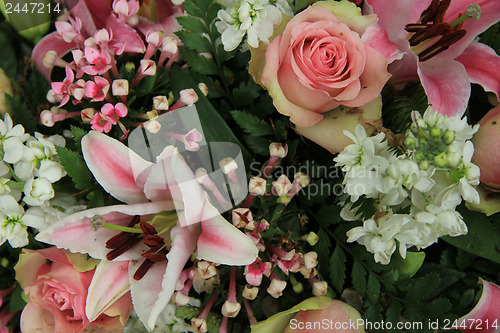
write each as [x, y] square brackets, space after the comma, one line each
[479, 59]
[115, 166]
[125, 34]
[109, 283]
[51, 42]
[152, 293]
[485, 311]
[223, 243]
[446, 84]
[74, 233]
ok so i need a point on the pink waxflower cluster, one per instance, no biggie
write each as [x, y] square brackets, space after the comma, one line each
[96, 40]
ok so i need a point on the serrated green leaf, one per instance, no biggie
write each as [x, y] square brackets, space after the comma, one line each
[259, 146]
[193, 9]
[358, 277]
[37, 86]
[195, 41]
[96, 199]
[246, 93]
[393, 312]
[21, 114]
[437, 307]
[251, 124]
[329, 215]
[467, 298]
[337, 268]
[423, 287]
[482, 238]
[8, 60]
[78, 134]
[373, 288]
[75, 167]
[192, 24]
[198, 63]
[373, 314]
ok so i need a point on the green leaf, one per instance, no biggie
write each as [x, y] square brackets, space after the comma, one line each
[246, 93]
[437, 307]
[259, 146]
[37, 86]
[373, 288]
[393, 312]
[21, 113]
[145, 86]
[251, 124]
[409, 266]
[423, 287]
[195, 41]
[358, 277]
[78, 134]
[329, 215]
[337, 268]
[96, 199]
[482, 238]
[75, 167]
[198, 63]
[17, 302]
[301, 4]
[8, 60]
[192, 24]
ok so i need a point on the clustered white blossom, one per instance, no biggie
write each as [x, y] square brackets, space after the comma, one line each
[28, 167]
[431, 178]
[255, 19]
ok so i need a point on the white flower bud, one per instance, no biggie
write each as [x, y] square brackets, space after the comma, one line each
[120, 87]
[148, 67]
[203, 88]
[228, 165]
[179, 299]
[241, 217]
[231, 309]
[199, 325]
[257, 186]
[319, 288]
[276, 288]
[282, 186]
[37, 191]
[160, 103]
[302, 179]
[310, 260]
[250, 292]
[278, 150]
[188, 96]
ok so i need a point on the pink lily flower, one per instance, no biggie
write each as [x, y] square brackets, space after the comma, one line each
[157, 251]
[484, 316]
[440, 50]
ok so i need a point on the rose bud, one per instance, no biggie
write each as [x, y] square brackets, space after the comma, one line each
[342, 316]
[486, 156]
[486, 311]
[5, 88]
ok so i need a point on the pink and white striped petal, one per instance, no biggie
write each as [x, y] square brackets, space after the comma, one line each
[115, 166]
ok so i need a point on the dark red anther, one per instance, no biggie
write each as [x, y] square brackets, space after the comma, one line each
[154, 241]
[143, 269]
[441, 45]
[432, 31]
[429, 14]
[443, 7]
[122, 237]
[115, 253]
[148, 229]
[154, 257]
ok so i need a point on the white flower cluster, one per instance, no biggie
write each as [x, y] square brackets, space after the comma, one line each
[167, 322]
[431, 179]
[254, 18]
[28, 167]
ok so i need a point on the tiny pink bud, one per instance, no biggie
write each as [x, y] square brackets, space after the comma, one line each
[120, 87]
[188, 96]
[101, 36]
[278, 150]
[148, 67]
[49, 59]
[153, 37]
[88, 114]
[152, 126]
[257, 186]
[250, 292]
[228, 165]
[282, 186]
[199, 325]
[241, 217]
[302, 179]
[231, 309]
[47, 118]
[160, 103]
[276, 288]
[179, 299]
[169, 45]
[319, 288]
[203, 88]
[52, 97]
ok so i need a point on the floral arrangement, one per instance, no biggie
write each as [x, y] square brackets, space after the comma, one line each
[249, 165]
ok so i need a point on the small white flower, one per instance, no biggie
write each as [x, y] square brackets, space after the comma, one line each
[37, 191]
[11, 227]
[11, 140]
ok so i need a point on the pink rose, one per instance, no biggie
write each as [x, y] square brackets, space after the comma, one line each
[58, 293]
[486, 152]
[321, 61]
